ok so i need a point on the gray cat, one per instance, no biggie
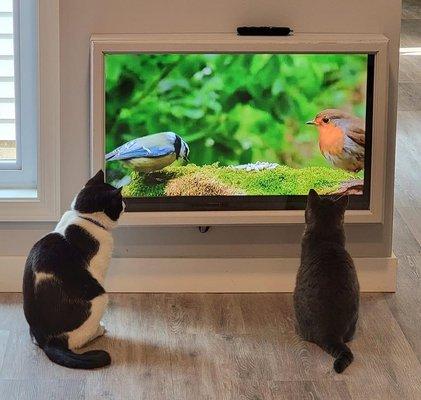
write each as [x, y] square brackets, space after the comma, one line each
[326, 296]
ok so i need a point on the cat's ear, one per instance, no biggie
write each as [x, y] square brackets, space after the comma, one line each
[343, 201]
[97, 179]
[117, 192]
[313, 198]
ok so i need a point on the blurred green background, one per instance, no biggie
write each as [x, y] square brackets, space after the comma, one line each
[230, 108]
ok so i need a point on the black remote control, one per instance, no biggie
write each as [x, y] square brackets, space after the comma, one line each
[264, 31]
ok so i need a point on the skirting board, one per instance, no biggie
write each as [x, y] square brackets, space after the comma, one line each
[207, 275]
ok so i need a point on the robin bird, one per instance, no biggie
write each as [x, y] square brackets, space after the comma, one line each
[341, 139]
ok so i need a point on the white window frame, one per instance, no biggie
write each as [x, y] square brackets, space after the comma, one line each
[21, 173]
[19, 203]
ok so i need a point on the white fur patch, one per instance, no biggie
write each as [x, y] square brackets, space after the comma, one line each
[42, 276]
[99, 263]
[89, 329]
[72, 205]
[67, 218]
[101, 218]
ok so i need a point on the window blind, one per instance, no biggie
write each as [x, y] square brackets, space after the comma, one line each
[7, 82]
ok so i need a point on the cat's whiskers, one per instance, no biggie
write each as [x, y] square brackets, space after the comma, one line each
[335, 199]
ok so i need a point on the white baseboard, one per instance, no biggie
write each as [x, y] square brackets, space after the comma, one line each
[215, 275]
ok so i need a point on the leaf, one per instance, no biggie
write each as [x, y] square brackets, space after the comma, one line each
[277, 87]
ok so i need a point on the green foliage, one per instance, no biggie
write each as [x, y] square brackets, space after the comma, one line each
[230, 109]
[282, 180]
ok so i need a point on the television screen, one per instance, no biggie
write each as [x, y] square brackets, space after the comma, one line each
[237, 131]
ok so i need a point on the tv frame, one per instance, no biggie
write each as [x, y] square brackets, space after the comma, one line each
[225, 43]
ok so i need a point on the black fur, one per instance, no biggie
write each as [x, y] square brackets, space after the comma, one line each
[61, 355]
[326, 296]
[98, 196]
[59, 305]
[177, 146]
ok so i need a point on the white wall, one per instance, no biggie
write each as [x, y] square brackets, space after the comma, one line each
[81, 18]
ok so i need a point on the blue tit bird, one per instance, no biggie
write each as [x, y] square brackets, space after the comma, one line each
[151, 153]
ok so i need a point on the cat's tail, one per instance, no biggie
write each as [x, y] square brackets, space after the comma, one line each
[59, 354]
[342, 354]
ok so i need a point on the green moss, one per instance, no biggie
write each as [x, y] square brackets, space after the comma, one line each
[282, 180]
[140, 186]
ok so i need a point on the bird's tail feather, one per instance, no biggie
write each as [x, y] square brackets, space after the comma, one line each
[110, 155]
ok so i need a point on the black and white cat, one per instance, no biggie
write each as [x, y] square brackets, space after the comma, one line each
[63, 293]
[326, 296]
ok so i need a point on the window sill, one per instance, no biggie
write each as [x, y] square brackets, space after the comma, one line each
[10, 194]
[20, 205]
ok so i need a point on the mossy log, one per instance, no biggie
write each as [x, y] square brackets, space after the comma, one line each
[214, 180]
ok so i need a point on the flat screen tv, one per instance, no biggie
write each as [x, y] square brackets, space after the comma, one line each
[237, 131]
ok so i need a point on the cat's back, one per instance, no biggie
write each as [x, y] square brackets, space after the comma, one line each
[52, 249]
[330, 255]
[46, 252]
[326, 284]
[324, 264]
[59, 265]
[77, 246]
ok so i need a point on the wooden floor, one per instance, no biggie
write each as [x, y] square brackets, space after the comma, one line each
[233, 346]
[243, 346]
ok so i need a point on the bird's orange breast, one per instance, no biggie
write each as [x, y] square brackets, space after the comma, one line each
[331, 140]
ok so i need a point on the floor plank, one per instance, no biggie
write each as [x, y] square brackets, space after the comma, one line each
[404, 243]
[409, 96]
[411, 9]
[385, 365]
[410, 32]
[158, 353]
[410, 66]
[34, 389]
[4, 337]
[299, 390]
[405, 305]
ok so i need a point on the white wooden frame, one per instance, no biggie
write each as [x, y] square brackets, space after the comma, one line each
[45, 206]
[299, 43]
[20, 173]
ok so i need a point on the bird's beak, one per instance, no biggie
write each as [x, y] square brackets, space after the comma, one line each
[312, 122]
